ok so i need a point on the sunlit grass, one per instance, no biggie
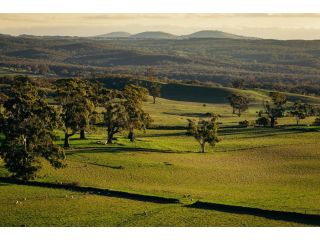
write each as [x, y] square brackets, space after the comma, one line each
[257, 167]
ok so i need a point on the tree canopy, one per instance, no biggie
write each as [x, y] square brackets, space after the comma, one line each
[76, 99]
[275, 109]
[204, 131]
[137, 117]
[238, 102]
[28, 124]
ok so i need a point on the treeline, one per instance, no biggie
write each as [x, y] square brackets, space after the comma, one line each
[299, 87]
[28, 122]
[274, 109]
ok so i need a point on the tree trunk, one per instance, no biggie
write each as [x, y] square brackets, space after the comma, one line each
[82, 134]
[154, 99]
[273, 121]
[110, 137]
[131, 136]
[202, 147]
[66, 140]
[239, 113]
[233, 110]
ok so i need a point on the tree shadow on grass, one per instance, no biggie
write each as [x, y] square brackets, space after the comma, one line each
[175, 134]
[309, 219]
[198, 115]
[109, 149]
[264, 132]
[107, 166]
[91, 190]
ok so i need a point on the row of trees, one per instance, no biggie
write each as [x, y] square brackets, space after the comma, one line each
[79, 100]
[28, 122]
[274, 109]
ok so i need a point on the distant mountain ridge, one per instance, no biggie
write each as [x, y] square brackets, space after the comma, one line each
[153, 35]
[215, 34]
[165, 35]
[115, 35]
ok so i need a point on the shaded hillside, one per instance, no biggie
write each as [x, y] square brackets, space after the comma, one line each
[216, 60]
[203, 94]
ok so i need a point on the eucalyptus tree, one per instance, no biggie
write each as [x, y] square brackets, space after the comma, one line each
[301, 110]
[155, 91]
[238, 102]
[276, 108]
[204, 131]
[137, 117]
[28, 125]
[75, 98]
[116, 115]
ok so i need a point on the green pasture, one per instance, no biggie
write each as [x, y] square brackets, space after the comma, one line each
[274, 169]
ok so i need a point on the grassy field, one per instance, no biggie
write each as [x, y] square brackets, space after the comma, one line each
[273, 169]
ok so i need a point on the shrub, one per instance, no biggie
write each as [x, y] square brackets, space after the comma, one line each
[263, 121]
[317, 121]
[244, 123]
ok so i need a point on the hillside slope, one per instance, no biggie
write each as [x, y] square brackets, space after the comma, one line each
[153, 35]
[215, 34]
[206, 94]
[114, 35]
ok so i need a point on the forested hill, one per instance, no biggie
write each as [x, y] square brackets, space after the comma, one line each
[218, 60]
[203, 94]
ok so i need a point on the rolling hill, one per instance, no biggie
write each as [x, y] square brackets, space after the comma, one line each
[220, 60]
[215, 34]
[206, 94]
[153, 35]
[114, 35]
[164, 35]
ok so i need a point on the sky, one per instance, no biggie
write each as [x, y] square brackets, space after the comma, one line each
[271, 26]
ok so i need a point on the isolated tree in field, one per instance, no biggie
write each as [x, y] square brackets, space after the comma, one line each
[116, 115]
[154, 88]
[238, 83]
[43, 68]
[155, 91]
[301, 111]
[238, 103]
[137, 117]
[77, 106]
[275, 109]
[204, 131]
[28, 124]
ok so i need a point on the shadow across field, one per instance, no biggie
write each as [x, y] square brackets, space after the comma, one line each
[108, 166]
[174, 134]
[309, 219]
[92, 190]
[263, 132]
[121, 149]
[194, 115]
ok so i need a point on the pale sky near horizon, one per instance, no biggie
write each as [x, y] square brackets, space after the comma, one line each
[276, 26]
